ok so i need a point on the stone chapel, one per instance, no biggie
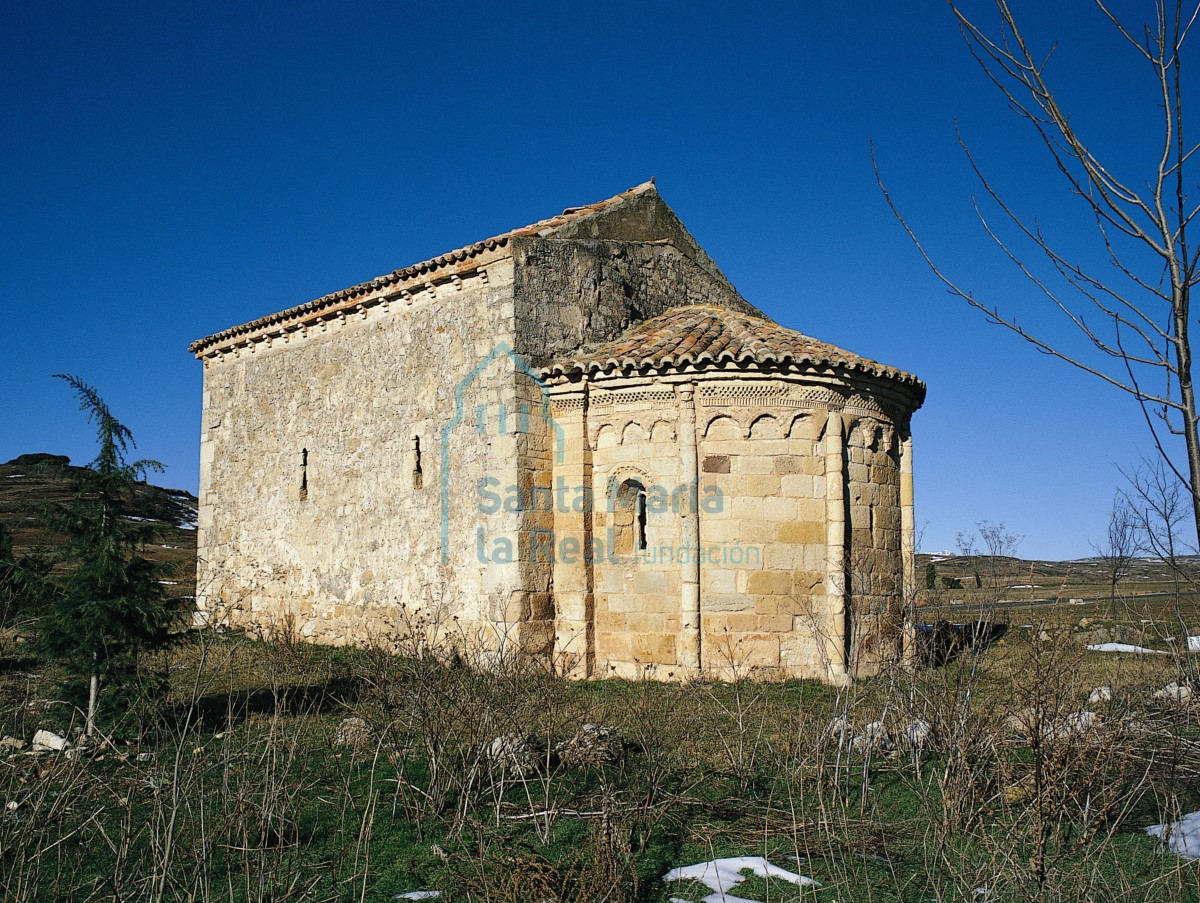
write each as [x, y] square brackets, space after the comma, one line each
[575, 440]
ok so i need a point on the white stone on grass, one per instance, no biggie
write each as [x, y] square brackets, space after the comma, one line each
[916, 735]
[841, 730]
[1180, 694]
[1073, 725]
[1100, 695]
[1027, 722]
[354, 732]
[592, 744]
[516, 755]
[873, 739]
[48, 741]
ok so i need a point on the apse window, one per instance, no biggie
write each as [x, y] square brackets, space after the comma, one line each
[629, 518]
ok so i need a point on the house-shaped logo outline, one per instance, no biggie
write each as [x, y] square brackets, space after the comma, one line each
[520, 365]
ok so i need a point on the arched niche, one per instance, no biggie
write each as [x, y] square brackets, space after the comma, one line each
[765, 426]
[606, 437]
[662, 431]
[633, 434]
[723, 427]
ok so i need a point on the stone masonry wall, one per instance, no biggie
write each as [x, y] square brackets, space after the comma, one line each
[875, 567]
[570, 294]
[334, 547]
[764, 595]
[397, 467]
[633, 434]
[764, 556]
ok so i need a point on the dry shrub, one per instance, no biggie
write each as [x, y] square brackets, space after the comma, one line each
[597, 871]
[239, 769]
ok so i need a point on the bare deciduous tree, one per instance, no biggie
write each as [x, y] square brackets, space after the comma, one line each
[1120, 545]
[1160, 511]
[1136, 310]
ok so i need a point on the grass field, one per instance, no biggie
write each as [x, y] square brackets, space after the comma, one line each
[992, 778]
[234, 787]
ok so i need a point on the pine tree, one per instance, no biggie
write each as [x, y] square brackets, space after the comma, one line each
[10, 593]
[107, 605]
[931, 576]
[22, 581]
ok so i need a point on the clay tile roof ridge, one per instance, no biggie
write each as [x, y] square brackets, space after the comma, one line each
[705, 333]
[541, 227]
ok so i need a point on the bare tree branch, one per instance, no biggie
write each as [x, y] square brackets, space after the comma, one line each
[1141, 320]
[994, 316]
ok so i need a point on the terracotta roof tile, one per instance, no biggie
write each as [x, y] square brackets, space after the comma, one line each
[422, 269]
[705, 334]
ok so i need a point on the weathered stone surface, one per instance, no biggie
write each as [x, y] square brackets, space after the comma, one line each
[1020, 791]
[1179, 694]
[1075, 724]
[355, 733]
[873, 739]
[1026, 724]
[840, 731]
[1118, 633]
[1100, 696]
[915, 735]
[48, 741]
[389, 463]
[516, 755]
[1020, 723]
[592, 744]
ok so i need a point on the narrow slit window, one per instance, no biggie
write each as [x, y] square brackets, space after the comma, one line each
[303, 473]
[628, 519]
[417, 476]
[639, 523]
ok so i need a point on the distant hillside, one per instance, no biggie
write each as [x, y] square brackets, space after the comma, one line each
[29, 481]
[966, 579]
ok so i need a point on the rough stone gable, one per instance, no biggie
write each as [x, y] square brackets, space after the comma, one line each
[642, 217]
[572, 293]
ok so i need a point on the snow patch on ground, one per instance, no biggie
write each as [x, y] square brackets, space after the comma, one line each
[722, 875]
[187, 525]
[1125, 647]
[420, 895]
[1181, 837]
[1194, 644]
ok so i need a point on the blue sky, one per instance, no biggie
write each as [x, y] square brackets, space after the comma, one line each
[174, 169]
